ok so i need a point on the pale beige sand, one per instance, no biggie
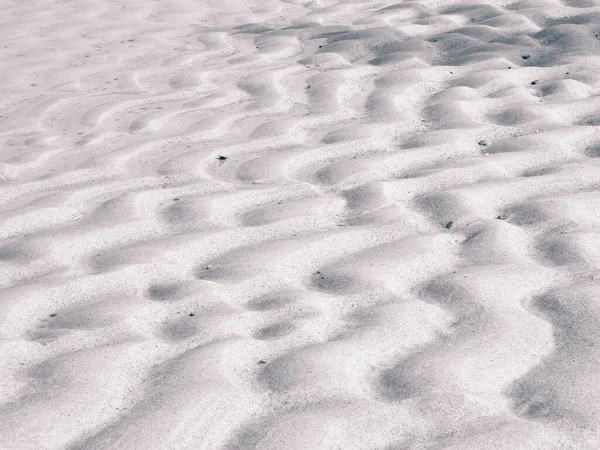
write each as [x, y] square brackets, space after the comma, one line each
[401, 249]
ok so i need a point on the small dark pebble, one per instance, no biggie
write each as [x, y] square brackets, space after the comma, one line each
[501, 217]
[221, 158]
[176, 199]
[53, 315]
[262, 361]
[534, 82]
[449, 225]
[525, 57]
[191, 314]
[483, 143]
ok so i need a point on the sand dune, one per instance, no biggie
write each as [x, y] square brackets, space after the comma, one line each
[300, 224]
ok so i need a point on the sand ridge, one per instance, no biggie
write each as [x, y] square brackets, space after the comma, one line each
[294, 224]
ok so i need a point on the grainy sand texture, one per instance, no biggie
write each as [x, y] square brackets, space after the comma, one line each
[299, 224]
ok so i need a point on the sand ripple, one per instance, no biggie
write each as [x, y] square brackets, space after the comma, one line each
[293, 224]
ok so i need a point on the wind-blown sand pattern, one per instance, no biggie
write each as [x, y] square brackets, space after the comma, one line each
[290, 224]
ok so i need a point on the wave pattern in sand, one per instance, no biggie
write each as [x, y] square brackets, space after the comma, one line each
[295, 224]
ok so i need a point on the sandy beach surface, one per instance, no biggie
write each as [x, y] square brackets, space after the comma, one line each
[294, 224]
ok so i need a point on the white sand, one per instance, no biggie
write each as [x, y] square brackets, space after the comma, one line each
[401, 249]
